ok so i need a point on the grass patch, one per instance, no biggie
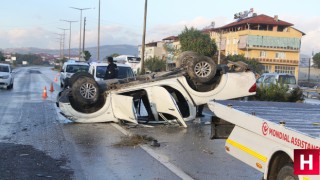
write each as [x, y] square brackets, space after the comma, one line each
[134, 140]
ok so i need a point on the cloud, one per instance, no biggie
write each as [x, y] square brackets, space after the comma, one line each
[121, 34]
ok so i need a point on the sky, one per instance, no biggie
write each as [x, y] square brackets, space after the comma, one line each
[36, 23]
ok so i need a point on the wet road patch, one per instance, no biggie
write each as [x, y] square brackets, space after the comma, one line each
[25, 162]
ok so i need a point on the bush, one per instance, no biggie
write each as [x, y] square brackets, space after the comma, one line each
[278, 93]
[155, 64]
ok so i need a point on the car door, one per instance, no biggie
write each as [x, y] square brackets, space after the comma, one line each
[123, 108]
[162, 102]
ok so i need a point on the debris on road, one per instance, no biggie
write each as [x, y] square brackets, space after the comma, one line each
[134, 140]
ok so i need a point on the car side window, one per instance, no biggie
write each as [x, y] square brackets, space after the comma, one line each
[269, 79]
[260, 79]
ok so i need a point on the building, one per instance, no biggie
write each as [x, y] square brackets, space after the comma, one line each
[153, 49]
[271, 41]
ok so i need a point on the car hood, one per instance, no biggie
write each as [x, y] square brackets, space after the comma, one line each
[4, 74]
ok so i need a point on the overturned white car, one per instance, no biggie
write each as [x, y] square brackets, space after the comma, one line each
[164, 96]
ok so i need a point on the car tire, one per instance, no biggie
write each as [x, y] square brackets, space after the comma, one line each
[185, 57]
[75, 76]
[286, 172]
[85, 91]
[202, 69]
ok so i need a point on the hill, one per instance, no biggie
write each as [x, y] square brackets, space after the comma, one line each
[105, 50]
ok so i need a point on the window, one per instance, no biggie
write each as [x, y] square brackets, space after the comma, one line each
[280, 55]
[263, 54]
[285, 69]
[4, 68]
[266, 68]
[235, 41]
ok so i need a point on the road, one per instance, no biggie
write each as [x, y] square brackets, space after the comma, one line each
[33, 134]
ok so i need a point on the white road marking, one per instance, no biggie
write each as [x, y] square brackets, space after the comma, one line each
[159, 157]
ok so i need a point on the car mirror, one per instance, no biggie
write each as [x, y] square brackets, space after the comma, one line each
[61, 70]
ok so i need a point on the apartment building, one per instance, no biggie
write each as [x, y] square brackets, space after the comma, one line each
[274, 43]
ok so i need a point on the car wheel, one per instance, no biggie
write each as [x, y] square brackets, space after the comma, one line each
[202, 69]
[286, 172]
[85, 91]
[185, 57]
[75, 76]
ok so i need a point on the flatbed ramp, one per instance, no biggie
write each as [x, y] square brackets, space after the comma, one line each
[301, 117]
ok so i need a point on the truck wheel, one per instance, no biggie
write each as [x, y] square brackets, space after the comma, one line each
[85, 91]
[75, 76]
[202, 69]
[286, 173]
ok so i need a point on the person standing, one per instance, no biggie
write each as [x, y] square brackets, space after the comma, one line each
[112, 69]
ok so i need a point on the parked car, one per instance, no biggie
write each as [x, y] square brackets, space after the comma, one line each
[69, 68]
[311, 95]
[277, 78]
[6, 77]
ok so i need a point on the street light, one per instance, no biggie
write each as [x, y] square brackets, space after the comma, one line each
[98, 54]
[144, 36]
[80, 9]
[64, 34]
[60, 42]
[70, 33]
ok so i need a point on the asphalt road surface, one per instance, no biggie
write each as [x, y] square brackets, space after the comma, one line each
[36, 142]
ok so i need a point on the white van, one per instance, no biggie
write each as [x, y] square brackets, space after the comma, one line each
[133, 61]
[98, 70]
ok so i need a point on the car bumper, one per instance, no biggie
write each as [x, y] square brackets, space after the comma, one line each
[5, 82]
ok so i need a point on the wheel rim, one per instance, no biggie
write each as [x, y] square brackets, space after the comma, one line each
[202, 69]
[88, 91]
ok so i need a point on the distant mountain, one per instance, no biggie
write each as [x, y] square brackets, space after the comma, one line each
[105, 50]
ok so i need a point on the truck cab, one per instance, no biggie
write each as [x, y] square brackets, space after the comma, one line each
[133, 61]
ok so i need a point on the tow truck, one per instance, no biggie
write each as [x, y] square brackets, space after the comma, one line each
[171, 96]
[265, 144]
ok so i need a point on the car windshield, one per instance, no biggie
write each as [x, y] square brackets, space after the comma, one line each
[124, 72]
[286, 79]
[4, 68]
[77, 68]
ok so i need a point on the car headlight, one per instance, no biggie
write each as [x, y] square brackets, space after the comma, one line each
[5, 77]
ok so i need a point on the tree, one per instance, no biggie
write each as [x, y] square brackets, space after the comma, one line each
[114, 55]
[316, 60]
[194, 40]
[254, 64]
[155, 64]
[2, 58]
[87, 55]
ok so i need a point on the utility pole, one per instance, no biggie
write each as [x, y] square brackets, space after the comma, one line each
[80, 9]
[60, 43]
[84, 33]
[144, 36]
[64, 35]
[69, 34]
[219, 52]
[98, 53]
